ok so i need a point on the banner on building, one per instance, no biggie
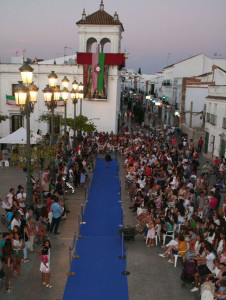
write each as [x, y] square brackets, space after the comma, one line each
[95, 72]
[96, 78]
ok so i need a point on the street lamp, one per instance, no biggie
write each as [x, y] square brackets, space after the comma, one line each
[26, 94]
[51, 96]
[80, 89]
[65, 95]
[74, 96]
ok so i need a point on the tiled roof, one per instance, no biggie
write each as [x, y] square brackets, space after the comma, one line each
[100, 17]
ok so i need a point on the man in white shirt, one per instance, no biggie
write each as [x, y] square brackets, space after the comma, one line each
[204, 269]
[9, 198]
[22, 199]
[16, 220]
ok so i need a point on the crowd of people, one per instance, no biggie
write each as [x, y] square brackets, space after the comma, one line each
[172, 199]
[169, 195]
[29, 226]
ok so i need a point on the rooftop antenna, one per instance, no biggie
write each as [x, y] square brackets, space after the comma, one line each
[65, 49]
[23, 54]
[168, 57]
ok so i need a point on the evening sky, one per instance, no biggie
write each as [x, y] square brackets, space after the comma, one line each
[157, 32]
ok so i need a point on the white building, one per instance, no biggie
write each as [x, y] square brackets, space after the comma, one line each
[215, 129]
[98, 29]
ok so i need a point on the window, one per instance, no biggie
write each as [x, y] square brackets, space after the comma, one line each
[13, 87]
[16, 122]
[213, 119]
[208, 117]
[224, 123]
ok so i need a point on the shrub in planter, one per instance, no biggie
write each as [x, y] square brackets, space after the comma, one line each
[128, 232]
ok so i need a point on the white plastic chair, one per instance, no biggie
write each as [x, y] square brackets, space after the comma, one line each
[168, 234]
[6, 163]
[179, 255]
[157, 236]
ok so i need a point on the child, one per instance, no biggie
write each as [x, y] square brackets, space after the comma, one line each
[44, 267]
[41, 231]
[151, 233]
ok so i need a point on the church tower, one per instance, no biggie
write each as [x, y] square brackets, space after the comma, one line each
[101, 68]
[100, 28]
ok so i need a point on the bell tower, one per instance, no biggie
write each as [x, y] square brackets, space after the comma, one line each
[100, 28]
[101, 67]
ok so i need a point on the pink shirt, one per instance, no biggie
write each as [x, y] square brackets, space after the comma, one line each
[213, 203]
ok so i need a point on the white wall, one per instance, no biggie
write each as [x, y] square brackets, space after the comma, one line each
[217, 107]
[112, 32]
[103, 113]
[197, 95]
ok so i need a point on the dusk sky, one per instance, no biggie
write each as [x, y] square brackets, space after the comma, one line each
[157, 32]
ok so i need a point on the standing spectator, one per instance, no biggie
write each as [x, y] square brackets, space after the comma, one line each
[17, 245]
[9, 198]
[16, 221]
[57, 212]
[21, 197]
[32, 232]
[6, 261]
[200, 143]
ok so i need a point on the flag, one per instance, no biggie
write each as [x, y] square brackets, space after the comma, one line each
[95, 58]
[98, 60]
[10, 100]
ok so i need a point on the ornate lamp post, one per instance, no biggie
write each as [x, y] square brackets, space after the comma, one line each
[51, 96]
[26, 94]
[65, 95]
[74, 96]
[80, 90]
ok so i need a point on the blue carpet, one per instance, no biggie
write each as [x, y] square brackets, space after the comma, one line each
[98, 270]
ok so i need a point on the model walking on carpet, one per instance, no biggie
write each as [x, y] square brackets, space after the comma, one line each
[107, 158]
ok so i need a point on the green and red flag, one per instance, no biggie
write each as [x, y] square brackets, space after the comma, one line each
[10, 100]
[98, 60]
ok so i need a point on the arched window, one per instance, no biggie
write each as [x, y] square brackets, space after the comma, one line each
[91, 45]
[105, 45]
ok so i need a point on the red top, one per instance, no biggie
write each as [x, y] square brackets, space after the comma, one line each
[213, 203]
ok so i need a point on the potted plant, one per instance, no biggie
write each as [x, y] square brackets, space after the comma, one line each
[128, 232]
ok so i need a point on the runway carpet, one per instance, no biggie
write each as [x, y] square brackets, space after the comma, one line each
[98, 270]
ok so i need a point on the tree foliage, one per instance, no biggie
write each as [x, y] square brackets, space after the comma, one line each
[3, 118]
[82, 122]
[41, 155]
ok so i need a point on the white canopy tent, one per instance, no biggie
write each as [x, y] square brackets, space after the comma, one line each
[20, 137]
